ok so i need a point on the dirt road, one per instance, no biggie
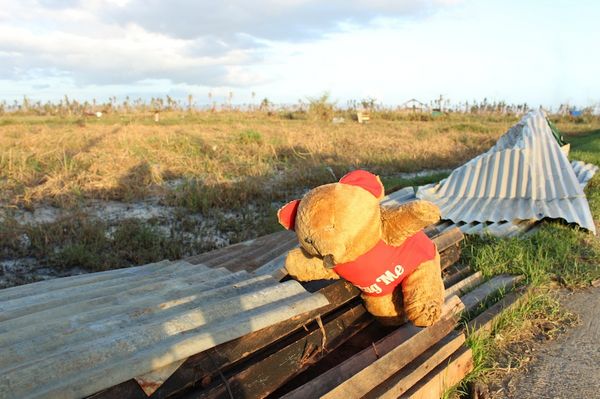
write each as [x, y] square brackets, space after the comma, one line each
[568, 367]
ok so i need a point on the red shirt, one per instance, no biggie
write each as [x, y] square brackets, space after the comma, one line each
[382, 268]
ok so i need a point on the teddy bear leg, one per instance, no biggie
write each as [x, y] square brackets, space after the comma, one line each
[423, 293]
[303, 267]
[387, 308]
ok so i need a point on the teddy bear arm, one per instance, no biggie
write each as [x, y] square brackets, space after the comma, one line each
[304, 267]
[402, 221]
[423, 293]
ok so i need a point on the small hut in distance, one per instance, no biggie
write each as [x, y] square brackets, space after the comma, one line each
[415, 106]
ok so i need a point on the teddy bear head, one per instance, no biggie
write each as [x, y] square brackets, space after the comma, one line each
[337, 221]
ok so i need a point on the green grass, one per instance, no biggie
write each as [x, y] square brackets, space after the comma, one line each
[394, 183]
[554, 255]
[586, 147]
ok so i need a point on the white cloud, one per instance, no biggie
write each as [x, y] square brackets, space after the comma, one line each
[209, 43]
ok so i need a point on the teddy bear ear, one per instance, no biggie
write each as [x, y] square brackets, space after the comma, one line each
[366, 180]
[287, 214]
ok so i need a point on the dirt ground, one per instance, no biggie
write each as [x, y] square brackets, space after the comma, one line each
[568, 367]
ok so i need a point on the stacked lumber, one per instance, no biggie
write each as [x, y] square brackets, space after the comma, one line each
[334, 349]
[338, 350]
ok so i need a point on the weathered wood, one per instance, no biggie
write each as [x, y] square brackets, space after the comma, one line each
[451, 256]
[448, 238]
[476, 297]
[418, 368]
[455, 273]
[431, 230]
[443, 377]
[262, 249]
[402, 345]
[263, 377]
[204, 366]
[465, 285]
[485, 321]
[251, 260]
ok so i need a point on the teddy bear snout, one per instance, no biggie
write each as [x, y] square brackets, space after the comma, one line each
[329, 261]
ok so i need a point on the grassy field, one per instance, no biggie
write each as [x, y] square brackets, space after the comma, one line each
[220, 160]
[215, 178]
[221, 176]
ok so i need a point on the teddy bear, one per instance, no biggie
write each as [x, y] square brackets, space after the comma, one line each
[344, 232]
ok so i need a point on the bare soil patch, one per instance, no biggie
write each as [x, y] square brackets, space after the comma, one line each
[567, 367]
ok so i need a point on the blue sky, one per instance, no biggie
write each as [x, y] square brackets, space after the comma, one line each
[539, 52]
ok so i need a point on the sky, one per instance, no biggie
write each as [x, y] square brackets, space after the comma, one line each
[538, 52]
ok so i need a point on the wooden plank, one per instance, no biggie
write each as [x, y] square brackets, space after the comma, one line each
[203, 367]
[418, 368]
[502, 282]
[266, 243]
[367, 378]
[451, 256]
[485, 321]
[443, 377]
[465, 285]
[263, 377]
[252, 259]
[403, 345]
[448, 238]
[455, 273]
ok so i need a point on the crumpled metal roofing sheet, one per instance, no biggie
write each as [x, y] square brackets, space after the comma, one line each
[72, 337]
[524, 176]
[584, 172]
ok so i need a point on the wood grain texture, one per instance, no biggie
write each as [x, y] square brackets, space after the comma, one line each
[408, 376]
[443, 377]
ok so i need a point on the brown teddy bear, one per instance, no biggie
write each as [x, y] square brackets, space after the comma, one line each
[344, 232]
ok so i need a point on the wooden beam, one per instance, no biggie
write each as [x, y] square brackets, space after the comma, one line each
[448, 238]
[408, 376]
[451, 256]
[449, 373]
[455, 273]
[485, 321]
[203, 368]
[261, 378]
[476, 297]
[390, 353]
[465, 285]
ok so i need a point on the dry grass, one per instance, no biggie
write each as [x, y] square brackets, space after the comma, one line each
[233, 168]
[225, 158]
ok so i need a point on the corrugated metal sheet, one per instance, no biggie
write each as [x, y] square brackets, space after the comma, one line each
[74, 336]
[525, 176]
[583, 171]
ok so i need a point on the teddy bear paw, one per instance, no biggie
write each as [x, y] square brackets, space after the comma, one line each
[424, 315]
